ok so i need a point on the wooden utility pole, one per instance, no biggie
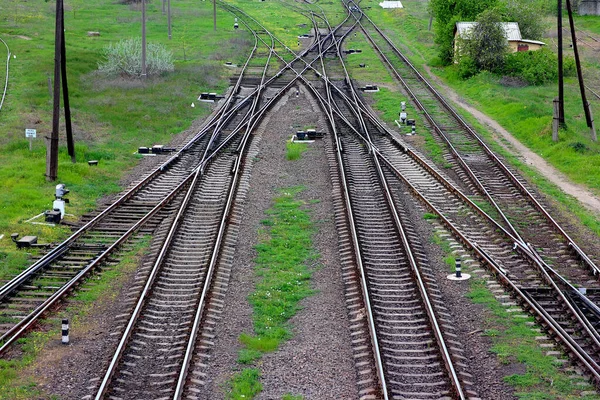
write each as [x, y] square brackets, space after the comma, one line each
[169, 17]
[60, 72]
[52, 149]
[561, 86]
[63, 68]
[143, 39]
[586, 104]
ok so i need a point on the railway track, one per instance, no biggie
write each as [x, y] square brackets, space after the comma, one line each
[29, 295]
[405, 345]
[558, 314]
[399, 299]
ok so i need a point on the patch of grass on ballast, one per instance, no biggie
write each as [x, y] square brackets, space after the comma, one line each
[294, 150]
[514, 342]
[16, 379]
[282, 266]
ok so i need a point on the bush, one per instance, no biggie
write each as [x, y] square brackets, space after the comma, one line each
[537, 67]
[467, 67]
[125, 58]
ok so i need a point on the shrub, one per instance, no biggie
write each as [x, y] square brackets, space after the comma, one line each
[125, 58]
[536, 67]
[467, 67]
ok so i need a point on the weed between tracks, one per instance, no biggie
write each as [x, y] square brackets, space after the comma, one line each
[526, 112]
[513, 342]
[281, 264]
[18, 376]
[294, 150]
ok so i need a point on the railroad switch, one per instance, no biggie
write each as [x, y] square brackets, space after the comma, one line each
[52, 216]
[370, 88]
[309, 134]
[26, 241]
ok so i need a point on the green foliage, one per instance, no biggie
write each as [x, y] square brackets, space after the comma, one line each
[111, 116]
[467, 67]
[245, 384]
[527, 14]
[447, 13]
[125, 58]
[430, 216]
[289, 396]
[537, 67]
[294, 150]
[486, 44]
[281, 265]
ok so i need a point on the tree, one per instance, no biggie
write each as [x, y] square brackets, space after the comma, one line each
[527, 14]
[486, 44]
[447, 13]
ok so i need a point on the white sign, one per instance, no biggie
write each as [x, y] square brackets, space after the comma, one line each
[30, 133]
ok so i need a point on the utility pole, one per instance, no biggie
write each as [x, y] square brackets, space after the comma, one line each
[143, 39]
[586, 105]
[52, 149]
[63, 68]
[169, 17]
[561, 95]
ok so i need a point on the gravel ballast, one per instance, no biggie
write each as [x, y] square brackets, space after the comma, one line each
[317, 361]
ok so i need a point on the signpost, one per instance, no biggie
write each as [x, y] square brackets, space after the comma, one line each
[31, 134]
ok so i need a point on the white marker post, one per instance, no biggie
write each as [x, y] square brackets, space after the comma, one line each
[30, 133]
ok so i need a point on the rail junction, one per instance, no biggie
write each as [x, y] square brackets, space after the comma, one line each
[404, 340]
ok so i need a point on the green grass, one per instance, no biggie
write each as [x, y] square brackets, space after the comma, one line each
[525, 112]
[294, 150]
[245, 384]
[289, 396]
[14, 384]
[513, 342]
[281, 265]
[111, 116]
[430, 216]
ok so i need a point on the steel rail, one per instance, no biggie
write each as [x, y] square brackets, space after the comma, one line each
[24, 324]
[354, 234]
[491, 220]
[431, 314]
[537, 261]
[565, 338]
[15, 332]
[6, 79]
[250, 124]
[490, 153]
[582, 353]
[63, 247]
[194, 176]
[441, 132]
[218, 242]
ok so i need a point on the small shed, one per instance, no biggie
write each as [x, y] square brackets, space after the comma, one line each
[589, 7]
[511, 32]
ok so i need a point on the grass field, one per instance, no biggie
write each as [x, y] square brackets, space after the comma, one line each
[526, 112]
[112, 116]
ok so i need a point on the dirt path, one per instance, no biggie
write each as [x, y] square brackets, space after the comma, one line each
[580, 192]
